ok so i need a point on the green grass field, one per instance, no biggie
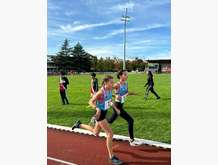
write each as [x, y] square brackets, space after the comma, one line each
[151, 117]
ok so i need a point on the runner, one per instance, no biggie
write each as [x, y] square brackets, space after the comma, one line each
[150, 86]
[101, 102]
[121, 91]
[94, 85]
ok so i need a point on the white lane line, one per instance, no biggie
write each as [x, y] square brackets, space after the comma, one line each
[60, 161]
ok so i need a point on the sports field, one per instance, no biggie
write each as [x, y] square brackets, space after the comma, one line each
[151, 117]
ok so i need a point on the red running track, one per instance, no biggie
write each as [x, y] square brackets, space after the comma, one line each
[90, 150]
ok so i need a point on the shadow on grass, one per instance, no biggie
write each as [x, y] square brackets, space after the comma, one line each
[69, 114]
[161, 98]
[144, 115]
[77, 114]
[85, 104]
[138, 107]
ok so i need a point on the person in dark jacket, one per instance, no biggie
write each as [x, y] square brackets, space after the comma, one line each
[64, 82]
[65, 79]
[94, 85]
[150, 86]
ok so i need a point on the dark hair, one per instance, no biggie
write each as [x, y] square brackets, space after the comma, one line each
[120, 73]
[106, 79]
[93, 74]
[150, 73]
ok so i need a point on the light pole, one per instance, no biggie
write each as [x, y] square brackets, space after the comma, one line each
[126, 19]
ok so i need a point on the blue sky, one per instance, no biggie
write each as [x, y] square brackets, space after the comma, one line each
[97, 25]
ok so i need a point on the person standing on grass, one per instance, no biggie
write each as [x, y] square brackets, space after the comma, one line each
[65, 79]
[63, 88]
[150, 85]
[121, 92]
[101, 102]
[94, 85]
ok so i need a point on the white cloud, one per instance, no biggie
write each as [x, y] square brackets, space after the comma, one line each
[72, 28]
[121, 7]
[76, 22]
[70, 13]
[150, 3]
[136, 47]
[161, 55]
[141, 42]
[120, 31]
[106, 51]
[52, 6]
[89, 2]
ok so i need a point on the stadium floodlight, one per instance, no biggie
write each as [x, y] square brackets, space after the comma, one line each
[126, 19]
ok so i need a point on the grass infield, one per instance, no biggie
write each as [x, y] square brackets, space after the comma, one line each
[152, 118]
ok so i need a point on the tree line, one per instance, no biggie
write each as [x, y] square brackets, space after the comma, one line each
[77, 59]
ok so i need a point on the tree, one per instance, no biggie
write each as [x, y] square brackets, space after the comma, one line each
[65, 49]
[94, 61]
[81, 59]
[108, 64]
[100, 65]
[117, 63]
[63, 59]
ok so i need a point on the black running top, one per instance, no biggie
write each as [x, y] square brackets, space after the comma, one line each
[95, 84]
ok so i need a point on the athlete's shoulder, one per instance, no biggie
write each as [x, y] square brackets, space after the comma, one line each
[99, 94]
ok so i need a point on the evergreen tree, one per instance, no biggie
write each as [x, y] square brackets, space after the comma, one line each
[65, 49]
[81, 59]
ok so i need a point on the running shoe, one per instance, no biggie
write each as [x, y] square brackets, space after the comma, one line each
[76, 125]
[134, 143]
[114, 160]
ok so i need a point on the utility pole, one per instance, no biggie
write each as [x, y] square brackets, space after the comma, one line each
[126, 19]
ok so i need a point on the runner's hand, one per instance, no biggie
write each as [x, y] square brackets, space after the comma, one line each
[119, 97]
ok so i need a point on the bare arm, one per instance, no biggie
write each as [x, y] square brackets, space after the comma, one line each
[92, 86]
[92, 102]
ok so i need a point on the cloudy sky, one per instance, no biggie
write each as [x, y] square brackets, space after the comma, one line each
[97, 25]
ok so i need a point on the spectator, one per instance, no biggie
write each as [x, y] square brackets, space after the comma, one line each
[150, 85]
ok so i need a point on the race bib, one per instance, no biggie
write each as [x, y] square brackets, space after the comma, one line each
[107, 104]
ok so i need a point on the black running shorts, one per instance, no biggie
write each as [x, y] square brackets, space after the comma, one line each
[102, 115]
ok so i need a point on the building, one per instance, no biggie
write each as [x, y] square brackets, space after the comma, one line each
[51, 67]
[159, 65]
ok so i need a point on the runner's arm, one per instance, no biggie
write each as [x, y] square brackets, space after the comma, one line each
[92, 101]
[92, 87]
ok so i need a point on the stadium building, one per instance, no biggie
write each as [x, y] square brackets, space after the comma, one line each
[51, 67]
[159, 66]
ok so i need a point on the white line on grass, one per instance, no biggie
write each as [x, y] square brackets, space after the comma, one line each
[60, 161]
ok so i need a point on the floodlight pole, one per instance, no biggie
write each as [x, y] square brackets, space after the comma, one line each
[125, 19]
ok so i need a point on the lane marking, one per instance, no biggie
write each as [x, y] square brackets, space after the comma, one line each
[60, 161]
